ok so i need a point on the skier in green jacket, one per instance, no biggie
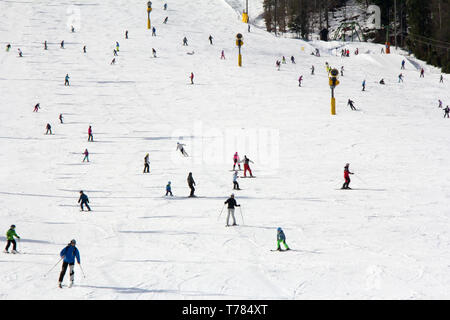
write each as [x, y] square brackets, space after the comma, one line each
[10, 234]
[281, 238]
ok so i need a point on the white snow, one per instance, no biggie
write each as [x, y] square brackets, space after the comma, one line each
[387, 239]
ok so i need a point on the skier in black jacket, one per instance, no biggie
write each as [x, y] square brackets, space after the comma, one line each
[84, 201]
[231, 204]
[191, 184]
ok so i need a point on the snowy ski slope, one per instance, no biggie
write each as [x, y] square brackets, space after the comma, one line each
[386, 239]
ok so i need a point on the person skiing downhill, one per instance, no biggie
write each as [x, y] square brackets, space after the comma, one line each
[350, 103]
[342, 71]
[440, 103]
[146, 164]
[422, 73]
[115, 53]
[210, 39]
[69, 254]
[90, 136]
[312, 70]
[165, 6]
[235, 183]
[300, 79]
[278, 64]
[222, 56]
[403, 65]
[181, 148]
[247, 166]
[84, 49]
[153, 32]
[191, 184]
[36, 107]
[400, 78]
[185, 42]
[66, 80]
[192, 77]
[169, 189]
[45, 45]
[292, 60]
[236, 161]
[126, 34]
[10, 234]
[231, 204]
[83, 201]
[86, 155]
[61, 118]
[447, 111]
[346, 177]
[165, 20]
[283, 59]
[62, 44]
[49, 129]
[364, 85]
[8, 46]
[281, 238]
[20, 53]
[154, 52]
[117, 46]
[441, 80]
[382, 81]
[113, 61]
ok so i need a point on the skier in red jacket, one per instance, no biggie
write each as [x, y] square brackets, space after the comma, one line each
[346, 177]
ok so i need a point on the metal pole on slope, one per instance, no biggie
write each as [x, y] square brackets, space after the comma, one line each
[149, 9]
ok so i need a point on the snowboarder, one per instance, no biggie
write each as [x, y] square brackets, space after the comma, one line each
[312, 70]
[300, 79]
[153, 32]
[364, 85]
[292, 60]
[440, 103]
[45, 45]
[180, 147]
[66, 80]
[84, 49]
[113, 61]
[350, 103]
[169, 189]
[61, 118]
[422, 72]
[192, 77]
[36, 107]
[20, 53]
[146, 164]
[247, 166]
[210, 39]
[185, 42]
[62, 44]
[126, 34]
[49, 129]
[236, 161]
[154, 52]
[441, 80]
[231, 204]
[191, 184]
[235, 183]
[382, 81]
[8, 46]
[400, 78]
[83, 201]
[222, 56]
[403, 65]
[165, 20]
[69, 254]
[90, 136]
[86, 155]
[10, 234]
[281, 238]
[446, 110]
[346, 177]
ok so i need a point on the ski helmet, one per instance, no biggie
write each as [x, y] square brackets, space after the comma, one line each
[73, 241]
[232, 195]
[13, 226]
[278, 229]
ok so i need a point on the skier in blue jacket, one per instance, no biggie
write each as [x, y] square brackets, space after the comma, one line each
[281, 238]
[69, 254]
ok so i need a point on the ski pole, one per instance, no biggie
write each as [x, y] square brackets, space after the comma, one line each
[82, 271]
[361, 179]
[53, 266]
[240, 209]
[220, 212]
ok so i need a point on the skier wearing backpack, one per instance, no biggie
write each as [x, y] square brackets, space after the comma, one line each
[247, 166]
[346, 177]
[281, 238]
[69, 254]
[83, 201]
[10, 234]
[231, 204]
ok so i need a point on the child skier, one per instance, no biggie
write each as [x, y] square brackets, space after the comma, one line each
[247, 166]
[346, 177]
[169, 189]
[69, 254]
[180, 147]
[236, 161]
[231, 204]
[281, 238]
[146, 164]
[83, 201]
[86, 155]
[10, 234]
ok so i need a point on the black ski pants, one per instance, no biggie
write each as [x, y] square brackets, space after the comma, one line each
[64, 269]
[8, 243]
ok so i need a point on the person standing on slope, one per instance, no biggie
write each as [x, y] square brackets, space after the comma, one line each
[235, 183]
[347, 174]
[446, 110]
[222, 55]
[440, 103]
[231, 204]
[192, 77]
[247, 166]
[281, 238]
[185, 42]
[146, 164]
[300, 79]
[400, 78]
[181, 148]
[169, 189]
[403, 65]
[90, 136]
[441, 80]
[292, 60]
[210, 39]
[10, 234]
[422, 73]
[49, 129]
[66, 80]
[364, 85]
[83, 201]
[191, 184]
[61, 118]
[86, 155]
[69, 254]
[236, 161]
[312, 70]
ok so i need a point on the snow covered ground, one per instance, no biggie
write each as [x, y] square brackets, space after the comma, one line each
[387, 238]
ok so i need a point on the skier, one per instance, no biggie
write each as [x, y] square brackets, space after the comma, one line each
[126, 34]
[84, 200]
[235, 183]
[210, 39]
[382, 50]
[312, 70]
[284, 60]
[191, 184]
[231, 204]
[86, 155]
[165, 20]
[153, 32]
[185, 43]
[247, 166]
[281, 238]
[69, 254]
[440, 103]
[300, 79]
[60, 118]
[36, 107]
[350, 103]
[165, 6]
[73, 29]
[446, 110]
[180, 147]
[20, 53]
[346, 177]
[113, 61]
[90, 136]
[146, 164]
[49, 129]
[364, 85]
[117, 46]
[441, 80]
[45, 45]
[10, 234]
[382, 81]
[154, 52]
[236, 161]
[342, 71]
[115, 52]
[169, 189]
[222, 56]
[356, 52]
[8, 46]
[66, 80]
[84, 49]
[62, 44]
[248, 28]
[317, 53]
[403, 65]
[278, 64]
[192, 77]
[422, 71]
[292, 60]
